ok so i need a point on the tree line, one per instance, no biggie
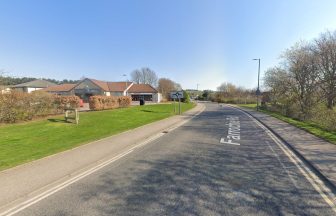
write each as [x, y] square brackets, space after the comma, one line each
[8, 80]
[230, 93]
[303, 85]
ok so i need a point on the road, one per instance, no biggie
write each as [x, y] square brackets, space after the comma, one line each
[195, 170]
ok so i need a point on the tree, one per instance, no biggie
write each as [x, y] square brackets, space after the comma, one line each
[144, 76]
[302, 68]
[277, 82]
[165, 86]
[186, 97]
[325, 50]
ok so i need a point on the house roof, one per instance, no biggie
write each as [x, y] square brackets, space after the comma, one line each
[111, 86]
[107, 86]
[142, 88]
[38, 83]
[60, 88]
[102, 84]
[118, 86]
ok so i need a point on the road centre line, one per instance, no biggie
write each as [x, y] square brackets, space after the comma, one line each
[25, 204]
[313, 179]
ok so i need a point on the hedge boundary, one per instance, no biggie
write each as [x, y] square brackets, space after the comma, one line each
[99, 102]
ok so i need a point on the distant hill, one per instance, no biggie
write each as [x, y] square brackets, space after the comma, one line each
[6, 80]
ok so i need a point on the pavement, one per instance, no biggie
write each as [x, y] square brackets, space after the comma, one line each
[220, 162]
[317, 152]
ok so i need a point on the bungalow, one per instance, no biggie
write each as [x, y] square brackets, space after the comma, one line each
[145, 92]
[33, 85]
[89, 87]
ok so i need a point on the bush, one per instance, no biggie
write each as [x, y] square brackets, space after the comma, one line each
[41, 104]
[186, 98]
[108, 102]
[11, 106]
[20, 106]
[62, 102]
[124, 101]
[324, 117]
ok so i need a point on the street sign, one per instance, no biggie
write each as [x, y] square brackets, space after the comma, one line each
[176, 95]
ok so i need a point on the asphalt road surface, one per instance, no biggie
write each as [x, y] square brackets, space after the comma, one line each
[195, 170]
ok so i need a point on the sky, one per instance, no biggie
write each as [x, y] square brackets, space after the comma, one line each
[205, 42]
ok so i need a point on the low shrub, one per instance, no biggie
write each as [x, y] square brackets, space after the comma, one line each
[41, 104]
[20, 106]
[61, 102]
[124, 101]
[12, 106]
[186, 97]
[324, 117]
[99, 102]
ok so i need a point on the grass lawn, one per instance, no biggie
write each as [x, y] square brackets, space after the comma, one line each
[307, 126]
[23, 142]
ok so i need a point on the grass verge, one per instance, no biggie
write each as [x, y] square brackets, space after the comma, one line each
[307, 126]
[24, 142]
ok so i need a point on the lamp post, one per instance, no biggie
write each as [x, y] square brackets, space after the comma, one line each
[258, 90]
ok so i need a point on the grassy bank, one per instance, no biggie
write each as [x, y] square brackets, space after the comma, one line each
[20, 143]
[307, 126]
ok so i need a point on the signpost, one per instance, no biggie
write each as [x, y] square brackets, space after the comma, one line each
[71, 114]
[177, 95]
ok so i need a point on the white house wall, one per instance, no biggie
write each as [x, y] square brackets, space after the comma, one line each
[157, 98]
[29, 90]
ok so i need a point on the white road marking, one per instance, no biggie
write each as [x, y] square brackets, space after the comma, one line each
[59, 187]
[283, 166]
[51, 191]
[233, 133]
[314, 180]
[222, 140]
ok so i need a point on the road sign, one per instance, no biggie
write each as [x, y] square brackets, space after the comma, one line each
[176, 95]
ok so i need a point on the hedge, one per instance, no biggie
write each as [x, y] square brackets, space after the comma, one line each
[20, 106]
[62, 102]
[124, 101]
[98, 102]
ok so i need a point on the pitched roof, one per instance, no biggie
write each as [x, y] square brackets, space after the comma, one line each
[111, 86]
[38, 83]
[107, 86]
[102, 84]
[142, 88]
[60, 88]
[118, 86]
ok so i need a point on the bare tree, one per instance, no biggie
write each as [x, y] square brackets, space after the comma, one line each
[302, 68]
[144, 76]
[136, 76]
[325, 50]
[227, 89]
[277, 82]
[165, 86]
